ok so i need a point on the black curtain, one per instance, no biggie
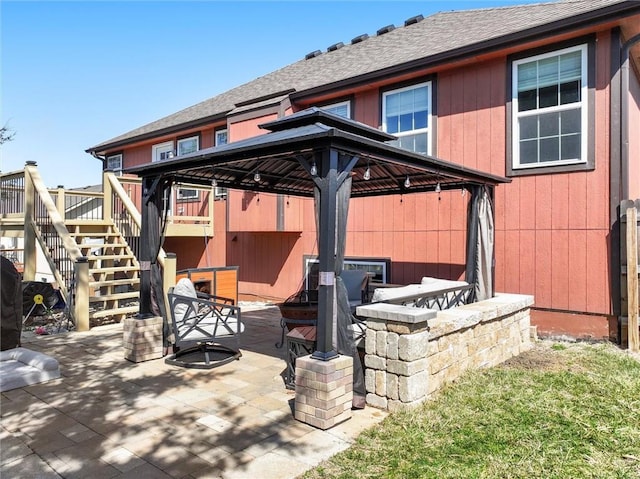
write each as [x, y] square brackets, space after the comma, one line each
[157, 208]
[343, 341]
[480, 243]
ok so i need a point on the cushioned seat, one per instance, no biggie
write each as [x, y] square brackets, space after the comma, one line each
[21, 367]
[356, 282]
[199, 323]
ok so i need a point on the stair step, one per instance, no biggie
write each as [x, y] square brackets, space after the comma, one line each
[94, 222]
[93, 234]
[103, 313]
[114, 282]
[101, 245]
[114, 297]
[114, 269]
[105, 257]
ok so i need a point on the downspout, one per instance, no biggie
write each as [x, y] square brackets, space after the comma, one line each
[619, 190]
[624, 112]
[98, 157]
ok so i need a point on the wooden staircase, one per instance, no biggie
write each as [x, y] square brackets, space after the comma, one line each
[114, 281]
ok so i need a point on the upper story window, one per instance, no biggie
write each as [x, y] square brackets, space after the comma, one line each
[114, 163]
[188, 145]
[162, 151]
[550, 109]
[342, 108]
[406, 113]
[220, 137]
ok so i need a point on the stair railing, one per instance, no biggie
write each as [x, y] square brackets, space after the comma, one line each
[121, 209]
[44, 224]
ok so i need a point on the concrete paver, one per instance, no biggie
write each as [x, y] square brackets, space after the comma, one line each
[108, 417]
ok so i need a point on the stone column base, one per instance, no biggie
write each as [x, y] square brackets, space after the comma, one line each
[324, 391]
[142, 339]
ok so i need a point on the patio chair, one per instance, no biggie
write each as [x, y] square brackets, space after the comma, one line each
[201, 323]
[357, 283]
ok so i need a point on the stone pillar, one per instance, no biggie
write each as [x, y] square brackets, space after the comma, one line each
[324, 391]
[142, 339]
[396, 346]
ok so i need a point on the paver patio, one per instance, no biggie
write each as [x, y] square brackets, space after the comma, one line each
[107, 417]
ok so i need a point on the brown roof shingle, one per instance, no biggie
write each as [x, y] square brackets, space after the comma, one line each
[436, 38]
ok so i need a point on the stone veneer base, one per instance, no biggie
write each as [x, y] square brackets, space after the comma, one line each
[142, 339]
[324, 391]
[411, 353]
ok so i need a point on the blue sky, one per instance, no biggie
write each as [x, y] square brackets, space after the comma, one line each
[74, 74]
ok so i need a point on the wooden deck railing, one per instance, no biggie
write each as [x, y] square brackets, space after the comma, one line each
[190, 208]
[44, 223]
[42, 213]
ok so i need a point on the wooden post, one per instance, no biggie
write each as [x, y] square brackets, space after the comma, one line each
[81, 302]
[632, 279]
[29, 272]
[107, 194]
[60, 203]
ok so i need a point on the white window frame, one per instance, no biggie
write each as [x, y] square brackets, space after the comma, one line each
[182, 141]
[216, 137]
[116, 170]
[160, 149]
[187, 194]
[350, 263]
[346, 103]
[583, 104]
[429, 129]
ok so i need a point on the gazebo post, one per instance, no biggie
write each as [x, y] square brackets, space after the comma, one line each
[143, 333]
[145, 248]
[328, 186]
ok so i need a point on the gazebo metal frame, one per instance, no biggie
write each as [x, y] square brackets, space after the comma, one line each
[309, 152]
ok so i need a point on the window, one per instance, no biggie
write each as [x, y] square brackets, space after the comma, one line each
[114, 163]
[187, 194]
[188, 145]
[379, 268]
[549, 109]
[406, 113]
[220, 138]
[341, 109]
[162, 151]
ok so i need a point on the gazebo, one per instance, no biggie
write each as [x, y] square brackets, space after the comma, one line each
[320, 155]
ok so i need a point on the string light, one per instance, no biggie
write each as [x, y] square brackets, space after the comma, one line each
[438, 189]
[256, 177]
[407, 182]
[314, 169]
[367, 174]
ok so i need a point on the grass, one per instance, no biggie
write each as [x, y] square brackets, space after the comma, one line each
[558, 411]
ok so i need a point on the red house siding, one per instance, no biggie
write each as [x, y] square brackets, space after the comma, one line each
[551, 232]
[545, 224]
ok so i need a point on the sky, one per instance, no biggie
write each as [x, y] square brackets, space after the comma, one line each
[77, 73]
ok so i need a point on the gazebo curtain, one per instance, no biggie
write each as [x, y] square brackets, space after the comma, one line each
[343, 340]
[156, 218]
[480, 243]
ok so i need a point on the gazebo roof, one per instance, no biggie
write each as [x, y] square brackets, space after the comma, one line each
[280, 155]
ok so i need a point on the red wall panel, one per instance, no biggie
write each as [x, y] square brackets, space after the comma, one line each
[551, 230]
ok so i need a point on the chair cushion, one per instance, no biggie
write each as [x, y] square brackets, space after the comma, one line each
[354, 282]
[184, 287]
[427, 285]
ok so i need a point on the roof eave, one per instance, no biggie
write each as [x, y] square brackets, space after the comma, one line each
[101, 149]
[587, 19]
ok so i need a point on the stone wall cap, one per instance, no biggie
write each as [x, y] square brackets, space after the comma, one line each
[396, 313]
